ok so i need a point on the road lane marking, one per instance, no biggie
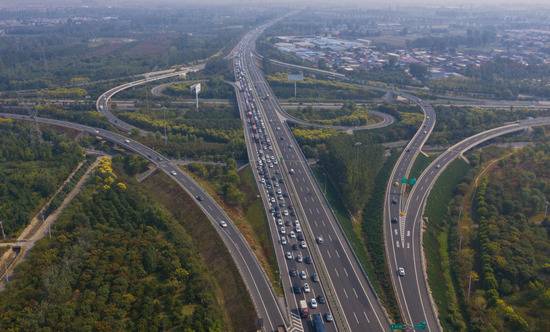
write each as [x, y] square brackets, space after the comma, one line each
[328, 253]
[337, 274]
[337, 253]
[330, 237]
[356, 319]
[345, 293]
[367, 318]
[355, 292]
[346, 272]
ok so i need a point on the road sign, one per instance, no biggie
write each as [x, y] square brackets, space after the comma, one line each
[420, 326]
[404, 180]
[397, 326]
[412, 181]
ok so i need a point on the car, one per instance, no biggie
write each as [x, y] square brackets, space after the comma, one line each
[288, 255]
[283, 230]
[407, 150]
[291, 171]
[283, 240]
[307, 289]
[173, 173]
[279, 221]
[425, 132]
[294, 246]
[396, 183]
[320, 239]
[223, 223]
[287, 223]
[315, 277]
[285, 212]
[394, 200]
[394, 219]
[299, 258]
[328, 317]
[296, 289]
[292, 234]
[303, 275]
[96, 131]
[199, 198]
[293, 273]
[303, 244]
[313, 303]
[438, 166]
[127, 140]
[401, 272]
[300, 236]
[307, 260]
[298, 229]
[321, 299]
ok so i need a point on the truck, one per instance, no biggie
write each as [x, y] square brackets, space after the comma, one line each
[304, 310]
[317, 322]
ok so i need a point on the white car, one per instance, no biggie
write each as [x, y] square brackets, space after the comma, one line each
[223, 223]
[173, 173]
[285, 212]
[280, 222]
[283, 230]
[313, 303]
[401, 272]
[303, 275]
[303, 244]
[127, 140]
[298, 229]
[283, 240]
[292, 234]
[288, 255]
[306, 288]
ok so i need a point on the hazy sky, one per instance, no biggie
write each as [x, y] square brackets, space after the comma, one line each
[366, 3]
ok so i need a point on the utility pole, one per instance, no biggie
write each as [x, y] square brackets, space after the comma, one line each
[165, 125]
[2, 228]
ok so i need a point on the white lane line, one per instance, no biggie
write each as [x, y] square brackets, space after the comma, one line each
[310, 210]
[330, 237]
[337, 253]
[345, 293]
[337, 274]
[317, 209]
[328, 253]
[210, 208]
[355, 292]
[357, 320]
[346, 272]
[367, 318]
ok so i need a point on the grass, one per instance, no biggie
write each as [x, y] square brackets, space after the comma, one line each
[436, 243]
[373, 223]
[420, 164]
[231, 293]
[250, 218]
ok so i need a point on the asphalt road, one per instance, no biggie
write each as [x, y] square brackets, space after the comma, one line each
[414, 261]
[263, 297]
[352, 301]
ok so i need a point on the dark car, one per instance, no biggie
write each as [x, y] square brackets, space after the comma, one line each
[307, 260]
[394, 219]
[295, 246]
[293, 273]
[297, 289]
[321, 299]
[199, 198]
[300, 236]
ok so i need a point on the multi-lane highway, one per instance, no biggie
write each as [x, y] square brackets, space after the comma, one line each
[414, 303]
[102, 103]
[261, 292]
[346, 288]
[414, 262]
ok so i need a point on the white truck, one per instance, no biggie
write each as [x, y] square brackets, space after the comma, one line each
[304, 310]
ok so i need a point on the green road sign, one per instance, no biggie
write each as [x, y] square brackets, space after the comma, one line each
[420, 326]
[412, 181]
[404, 180]
[397, 326]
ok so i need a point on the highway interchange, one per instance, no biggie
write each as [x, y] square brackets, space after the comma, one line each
[301, 221]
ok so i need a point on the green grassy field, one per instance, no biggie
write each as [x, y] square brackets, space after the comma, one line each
[230, 291]
[436, 242]
[420, 164]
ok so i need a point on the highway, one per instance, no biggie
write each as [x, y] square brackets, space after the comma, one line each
[102, 103]
[412, 258]
[352, 301]
[259, 288]
[414, 304]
